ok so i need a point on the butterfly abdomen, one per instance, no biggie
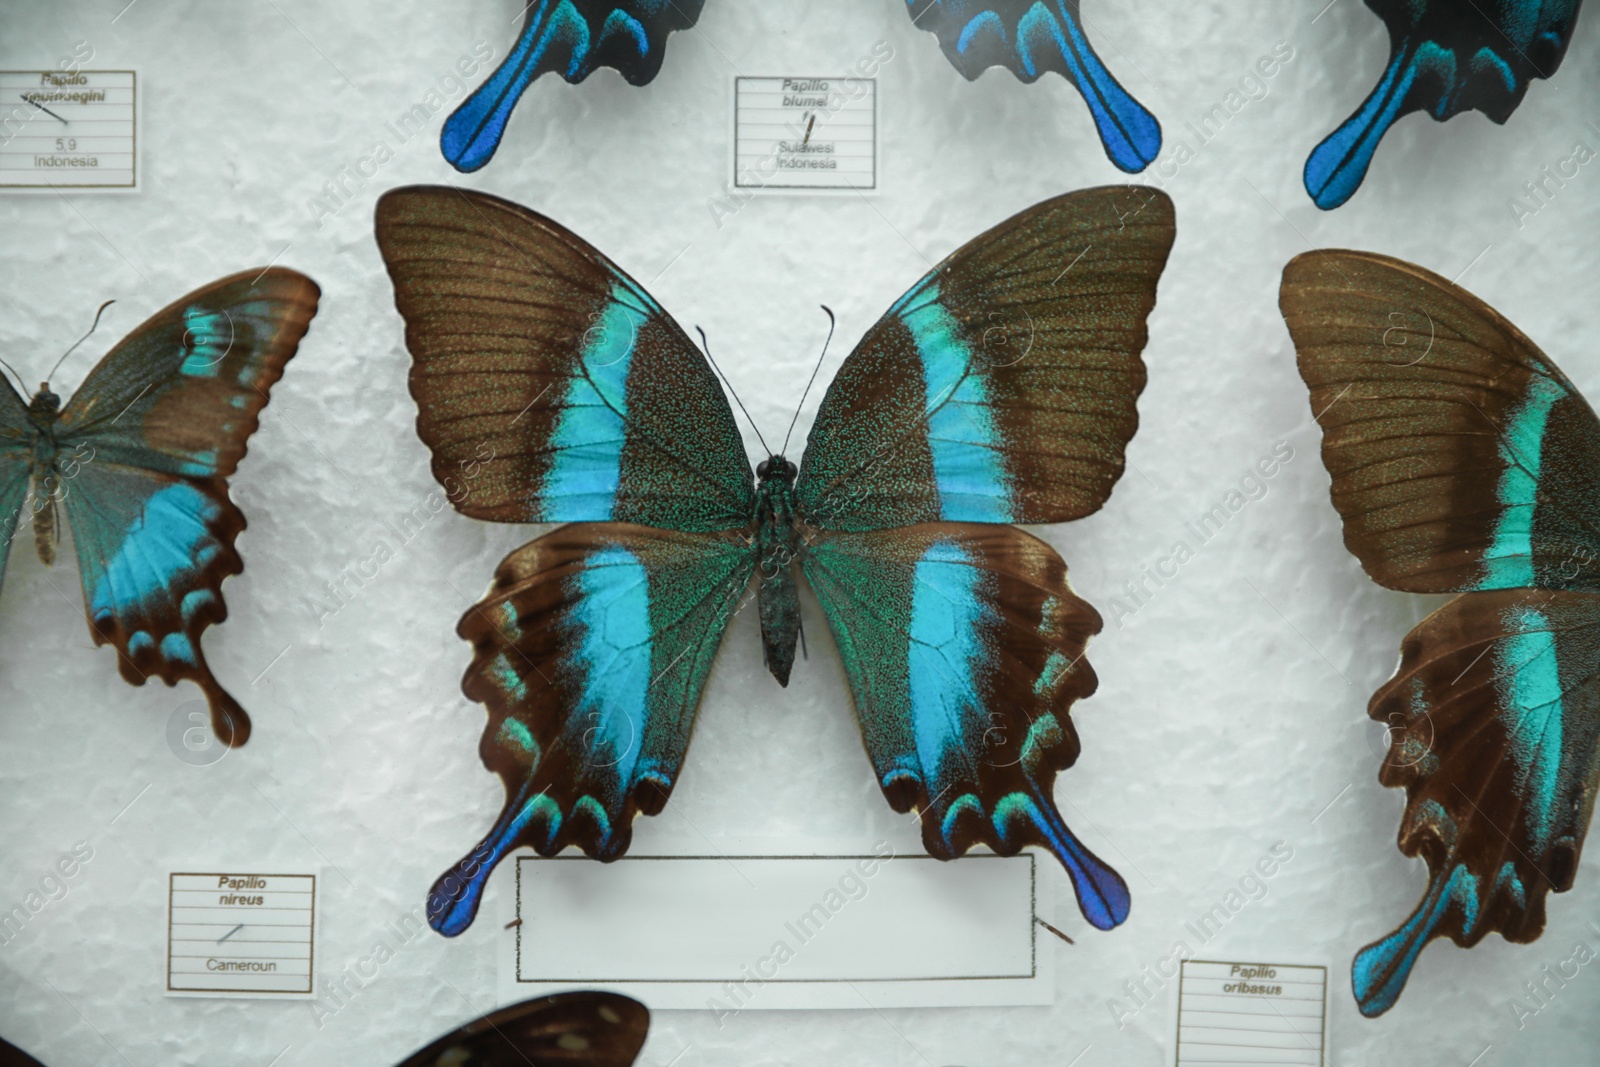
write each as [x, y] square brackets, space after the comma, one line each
[777, 544]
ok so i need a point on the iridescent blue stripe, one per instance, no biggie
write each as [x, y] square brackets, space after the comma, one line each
[168, 538]
[1380, 970]
[1508, 562]
[946, 656]
[962, 438]
[612, 661]
[1528, 676]
[581, 484]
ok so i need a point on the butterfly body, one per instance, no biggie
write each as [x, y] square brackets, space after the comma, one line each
[1463, 461]
[1446, 57]
[1000, 389]
[137, 464]
[778, 545]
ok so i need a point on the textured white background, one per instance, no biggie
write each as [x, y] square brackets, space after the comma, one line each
[1231, 709]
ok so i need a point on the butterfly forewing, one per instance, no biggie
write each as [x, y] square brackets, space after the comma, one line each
[964, 649]
[1029, 37]
[590, 652]
[1002, 387]
[564, 1030]
[1494, 717]
[549, 385]
[572, 38]
[1461, 457]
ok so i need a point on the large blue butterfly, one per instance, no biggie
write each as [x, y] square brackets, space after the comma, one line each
[1029, 37]
[139, 460]
[1445, 57]
[572, 38]
[1464, 461]
[1000, 389]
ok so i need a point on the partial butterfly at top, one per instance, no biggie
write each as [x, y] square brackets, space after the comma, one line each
[1000, 389]
[139, 458]
[1029, 37]
[1445, 57]
[1464, 461]
[572, 38]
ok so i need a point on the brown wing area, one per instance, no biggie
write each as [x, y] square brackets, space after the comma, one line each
[550, 375]
[1461, 456]
[1002, 387]
[581, 1029]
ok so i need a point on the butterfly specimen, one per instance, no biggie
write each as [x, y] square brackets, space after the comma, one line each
[572, 38]
[564, 1030]
[139, 461]
[1029, 37]
[1445, 57]
[11, 1056]
[1464, 461]
[1000, 389]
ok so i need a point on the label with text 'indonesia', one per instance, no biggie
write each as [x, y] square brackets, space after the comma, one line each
[1241, 1013]
[805, 133]
[61, 130]
[239, 934]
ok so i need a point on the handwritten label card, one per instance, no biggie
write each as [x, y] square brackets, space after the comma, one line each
[239, 934]
[805, 133]
[1249, 1012]
[61, 130]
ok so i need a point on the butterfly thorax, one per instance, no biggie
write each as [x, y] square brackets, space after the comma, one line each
[777, 545]
[43, 411]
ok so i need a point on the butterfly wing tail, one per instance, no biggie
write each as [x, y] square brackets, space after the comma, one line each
[1337, 166]
[1102, 894]
[453, 901]
[473, 131]
[1128, 131]
[1380, 971]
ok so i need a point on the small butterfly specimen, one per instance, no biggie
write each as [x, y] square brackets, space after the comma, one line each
[1029, 37]
[564, 1030]
[1001, 389]
[1464, 461]
[572, 38]
[1445, 57]
[139, 460]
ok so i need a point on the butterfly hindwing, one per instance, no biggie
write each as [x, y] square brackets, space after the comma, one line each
[1030, 37]
[964, 647]
[1444, 58]
[590, 652]
[1494, 718]
[572, 38]
[154, 432]
[1002, 387]
[1461, 456]
[553, 376]
[584, 1029]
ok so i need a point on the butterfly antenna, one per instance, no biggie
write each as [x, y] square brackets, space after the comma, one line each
[832, 322]
[78, 342]
[15, 375]
[705, 344]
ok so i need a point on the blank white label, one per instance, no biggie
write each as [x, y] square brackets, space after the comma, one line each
[1242, 1013]
[781, 932]
[240, 934]
[63, 130]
